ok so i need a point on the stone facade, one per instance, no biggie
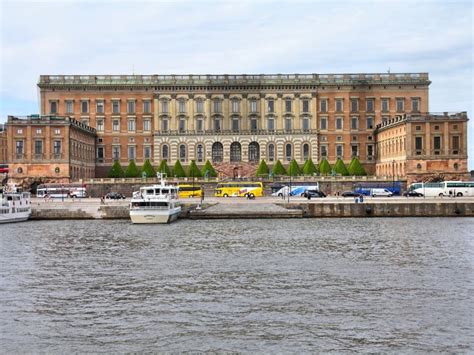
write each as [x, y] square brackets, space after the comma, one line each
[3, 145]
[50, 148]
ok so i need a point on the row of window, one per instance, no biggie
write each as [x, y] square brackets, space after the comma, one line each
[437, 145]
[131, 125]
[131, 152]
[78, 150]
[99, 106]
[370, 105]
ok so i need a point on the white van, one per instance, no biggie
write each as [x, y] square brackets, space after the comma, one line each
[381, 192]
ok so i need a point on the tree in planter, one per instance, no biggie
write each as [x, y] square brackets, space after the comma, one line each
[178, 170]
[309, 168]
[340, 168]
[324, 167]
[278, 168]
[262, 169]
[148, 169]
[194, 170]
[132, 170]
[356, 168]
[164, 168]
[294, 169]
[116, 171]
[209, 169]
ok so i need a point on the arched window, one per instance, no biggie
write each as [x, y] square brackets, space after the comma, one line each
[418, 166]
[254, 152]
[217, 152]
[235, 152]
[165, 152]
[456, 166]
[305, 151]
[288, 152]
[271, 152]
[182, 153]
[200, 153]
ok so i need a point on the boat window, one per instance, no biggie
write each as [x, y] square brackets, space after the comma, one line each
[149, 192]
[165, 191]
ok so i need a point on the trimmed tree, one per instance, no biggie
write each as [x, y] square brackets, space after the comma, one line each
[340, 168]
[294, 169]
[116, 171]
[356, 168]
[132, 170]
[194, 170]
[164, 168]
[209, 169]
[309, 168]
[178, 170]
[278, 168]
[324, 167]
[148, 169]
[262, 169]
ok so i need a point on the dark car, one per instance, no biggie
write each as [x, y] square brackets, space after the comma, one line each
[313, 193]
[412, 194]
[115, 196]
[350, 194]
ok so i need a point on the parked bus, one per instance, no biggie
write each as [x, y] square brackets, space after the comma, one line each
[189, 191]
[366, 188]
[61, 190]
[445, 188]
[239, 189]
[296, 190]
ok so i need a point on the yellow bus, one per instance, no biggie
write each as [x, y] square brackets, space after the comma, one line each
[189, 191]
[239, 189]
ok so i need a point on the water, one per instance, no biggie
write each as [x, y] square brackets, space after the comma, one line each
[372, 285]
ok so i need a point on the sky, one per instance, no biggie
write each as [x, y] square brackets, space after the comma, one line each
[237, 37]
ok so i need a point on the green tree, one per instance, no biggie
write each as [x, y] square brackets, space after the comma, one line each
[209, 169]
[356, 168]
[324, 167]
[262, 169]
[278, 168]
[309, 168]
[132, 170]
[194, 170]
[164, 168]
[148, 169]
[116, 171]
[294, 169]
[178, 170]
[340, 168]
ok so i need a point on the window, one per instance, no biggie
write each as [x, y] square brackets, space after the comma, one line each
[235, 152]
[146, 106]
[57, 147]
[164, 106]
[418, 145]
[100, 153]
[415, 105]
[324, 151]
[235, 124]
[305, 123]
[235, 106]
[400, 104]
[164, 124]
[146, 125]
[437, 144]
[199, 124]
[339, 106]
[354, 123]
[200, 106]
[305, 106]
[370, 105]
[131, 106]
[354, 105]
[39, 131]
[271, 152]
[288, 105]
[99, 106]
[217, 106]
[38, 147]
[288, 123]
[85, 121]
[354, 150]
[253, 106]
[338, 123]
[436, 128]
[385, 105]
[323, 104]
[370, 122]
[84, 106]
[217, 152]
[323, 123]
[217, 124]
[69, 106]
[115, 107]
[165, 152]
[53, 107]
[116, 125]
[305, 151]
[182, 124]
[57, 131]
[116, 152]
[182, 153]
[19, 147]
[253, 124]
[200, 153]
[455, 144]
[418, 128]
[181, 106]
[271, 106]
[100, 125]
[288, 152]
[339, 151]
[131, 152]
[131, 125]
[271, 124]
[254, 152]
[370, 151]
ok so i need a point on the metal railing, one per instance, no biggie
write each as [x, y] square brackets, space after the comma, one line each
[233, 132]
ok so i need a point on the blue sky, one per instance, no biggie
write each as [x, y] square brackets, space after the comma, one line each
[201, 37]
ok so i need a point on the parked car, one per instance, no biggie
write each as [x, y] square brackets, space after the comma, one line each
[381, 192]
[313, 193]
[412, 193]
[115, 196]
[350, 194]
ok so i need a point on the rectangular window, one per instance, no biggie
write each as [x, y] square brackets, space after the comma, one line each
[182, 124]
[38, 147]
[323, 105]
[39, 131]
[57, 131]
[354, 123]
[147, 152]
[400, 105]
[146, 125]
[146, 106]
[164, 106]
[200, 153]
[385, 105]
[217, 106]
[200, 106]
[370, 105]
[53, 107]
[354, 150]
[235, 106]
[370, 151]
[199, 125]
[253, 124]
[306, 123]
[131, 125]
[100, 125]
[338, 123]
[287, 105]
[253, 106]
[271, 106]
[437, 143]
[339, 151]
[131, 152]
[19, 147]
[324, 123]
[418, 144]
[131, 106]
[354, 105]
[455, 143]
[271, 124]
[69, 106]
[100, 153]
[57, 147]
[116, 125]
[305, 106]
[99, 106]
[217, 124]
[288, 123]
[164, 125]
[415, 105]
[370, 122]
[324, 151]
[84, 106]
[116, 152]
[339, 106]
[235, 124]
[181, 106]
[115, 107]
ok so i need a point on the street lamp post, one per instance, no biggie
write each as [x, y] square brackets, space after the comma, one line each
[289, 188]
[393, 176]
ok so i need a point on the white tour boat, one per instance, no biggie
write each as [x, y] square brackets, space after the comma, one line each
[156, 203]
[15, 206]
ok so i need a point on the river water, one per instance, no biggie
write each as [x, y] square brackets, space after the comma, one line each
[373, 285]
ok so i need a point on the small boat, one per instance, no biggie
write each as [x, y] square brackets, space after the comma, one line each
[15, 206]
[156, 203]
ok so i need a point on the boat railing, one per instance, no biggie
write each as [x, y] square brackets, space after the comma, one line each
[149, 207]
